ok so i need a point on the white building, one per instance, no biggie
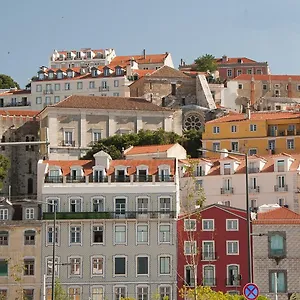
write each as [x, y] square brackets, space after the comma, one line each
[272, 179]
[116, 226]
[76, 123]
[16, 99]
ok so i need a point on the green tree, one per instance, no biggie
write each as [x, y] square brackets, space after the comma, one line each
[4, 166]
[192, 142]
[206, 63]
[60, 293]
[6, 82]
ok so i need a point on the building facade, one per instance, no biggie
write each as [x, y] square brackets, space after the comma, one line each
[75, 124]
[212, 249]
[20, 251]
[272, 179]
[15, 99]
[275, 253]
[259, 133]
[116, 226]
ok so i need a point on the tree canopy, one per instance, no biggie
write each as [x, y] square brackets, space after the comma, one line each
[6, 82]
[191, 141]
[4, 166]
[206, 63]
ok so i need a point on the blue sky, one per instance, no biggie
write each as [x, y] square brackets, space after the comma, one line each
[265, 30]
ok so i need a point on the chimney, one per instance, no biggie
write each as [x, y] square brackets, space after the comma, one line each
[290, 93]
[224, 58]
[144, 53]
[248, 111]
[252, 91]
[181, 62]
[224, 153]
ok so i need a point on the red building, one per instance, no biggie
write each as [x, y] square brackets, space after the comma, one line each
[231, 67]
[212, 249]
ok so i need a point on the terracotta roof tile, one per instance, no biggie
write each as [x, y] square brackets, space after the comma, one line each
[267, 77]
[23, 113]
[257, 116]
[235, 60]
[167, 71]
[140, 59]
[15, 92]
[280, 215]
[116, 103]
[148, 149]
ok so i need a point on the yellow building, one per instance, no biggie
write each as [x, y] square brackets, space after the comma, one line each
[256, 133]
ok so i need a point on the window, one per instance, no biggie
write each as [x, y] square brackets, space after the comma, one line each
[50, 235]
[253, 127]
[232, 224]
[56, 99]
[238, 72]
[3, 267]
[142, 293]
[271, 144]
[277, 244]
[120, 204]
[216, 146]
[120, 293]
[51, 204]
[252, 151]
[208, 225]
[75, 234]
[281, 181]
[190, 247]
[189, 275]
[164, 205]
[120, 265]
[120, 234]
[75, 265]
[104, 85]
[67, 86]
[229, 73]
[68, 135]
[97, 265]
[258, 71]
[164, 265]
[4, 238]
[253, 203]
[29, 213]
[79, 85]
[233, 128]
[280, 165]
[235, 146]
[59, 75]
[28, 267]
[116, 94]
[290, 144]
[164, 233]
[98, 204]
[142, 205]
[50, 266]
[142, 233]
[3, 214]
[240, 86]
[232, 247]
[227, 169]
[208, 250]
[164, 293]
[38, 87]
[233, 276]
[96, 136]
[38, 100]
[29, 237]
[189, 225]
[281, 201]
[209, 275]
[74, 293]
[264, 86]
[173, 89]
[47, 100]
[92, 84]
[142, 265]
[98, 235]
[28, 294]
[75, 205]
[216, 129]
[97, 293]
[57, 86]
[281, 281]
[249, 71]
[116, 83]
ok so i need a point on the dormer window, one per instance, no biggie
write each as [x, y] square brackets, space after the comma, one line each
[50, 75]
[41, 76]
[280, 165]
[121, 174]
[70, 74]
[164, 173]
[227, 169]
[59, 75]
[142, 173]
[106, 72]
[78, 54]
[69, 55]
[76, 174]
[89, 54]
[199, 171]
[94, 73]
[99, 174]
[4, 214]
[119, 71]
[29, 213]
[61, 56]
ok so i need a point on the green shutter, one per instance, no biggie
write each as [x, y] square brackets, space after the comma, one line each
[3, 268]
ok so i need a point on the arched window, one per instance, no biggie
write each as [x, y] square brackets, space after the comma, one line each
[30, 186]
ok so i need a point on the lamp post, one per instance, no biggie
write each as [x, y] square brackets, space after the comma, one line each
[249, 254]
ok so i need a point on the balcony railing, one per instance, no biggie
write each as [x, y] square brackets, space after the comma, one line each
[68, 143]
[167, 178]
[45, 92]
[53, 179]
[110, 215]
[254, 190]
[208, 255]
[98, 179]
[143, 178]
[209, 281]
[278, 188]
[277, 253]
[227, 190]
[253, 170]
[103, 88]
[75, 179]
[233, 281]
[120, 178]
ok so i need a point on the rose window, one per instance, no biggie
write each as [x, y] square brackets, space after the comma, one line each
[192, 122]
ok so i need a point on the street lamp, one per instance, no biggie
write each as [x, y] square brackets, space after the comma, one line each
[245, 155]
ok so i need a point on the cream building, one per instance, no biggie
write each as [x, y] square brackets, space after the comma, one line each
[20, 251]
[75, 124]
[272, 179]
[14, 99]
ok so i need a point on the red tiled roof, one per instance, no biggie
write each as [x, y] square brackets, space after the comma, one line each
[267, 77]
[116, 103]
[140, 59]
[235, 60]
[280, 215]
[148, 149]
[15, 92]
[257, 116]
[131, 165]
[23, 113]
[142, 73]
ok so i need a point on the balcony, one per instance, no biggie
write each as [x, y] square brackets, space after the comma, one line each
[75, 179]
[166, 178]
[227, 191]
[253, 170]
[120, 178]
[68, 143]
[278, 188]
[208, 256]
[143, 178]
[110, 215]
[209, 281]
[53, 179]
[47, 92]
[277, 253]
[254, 190]
[103, 88]
[98, 179]
[234, 281]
